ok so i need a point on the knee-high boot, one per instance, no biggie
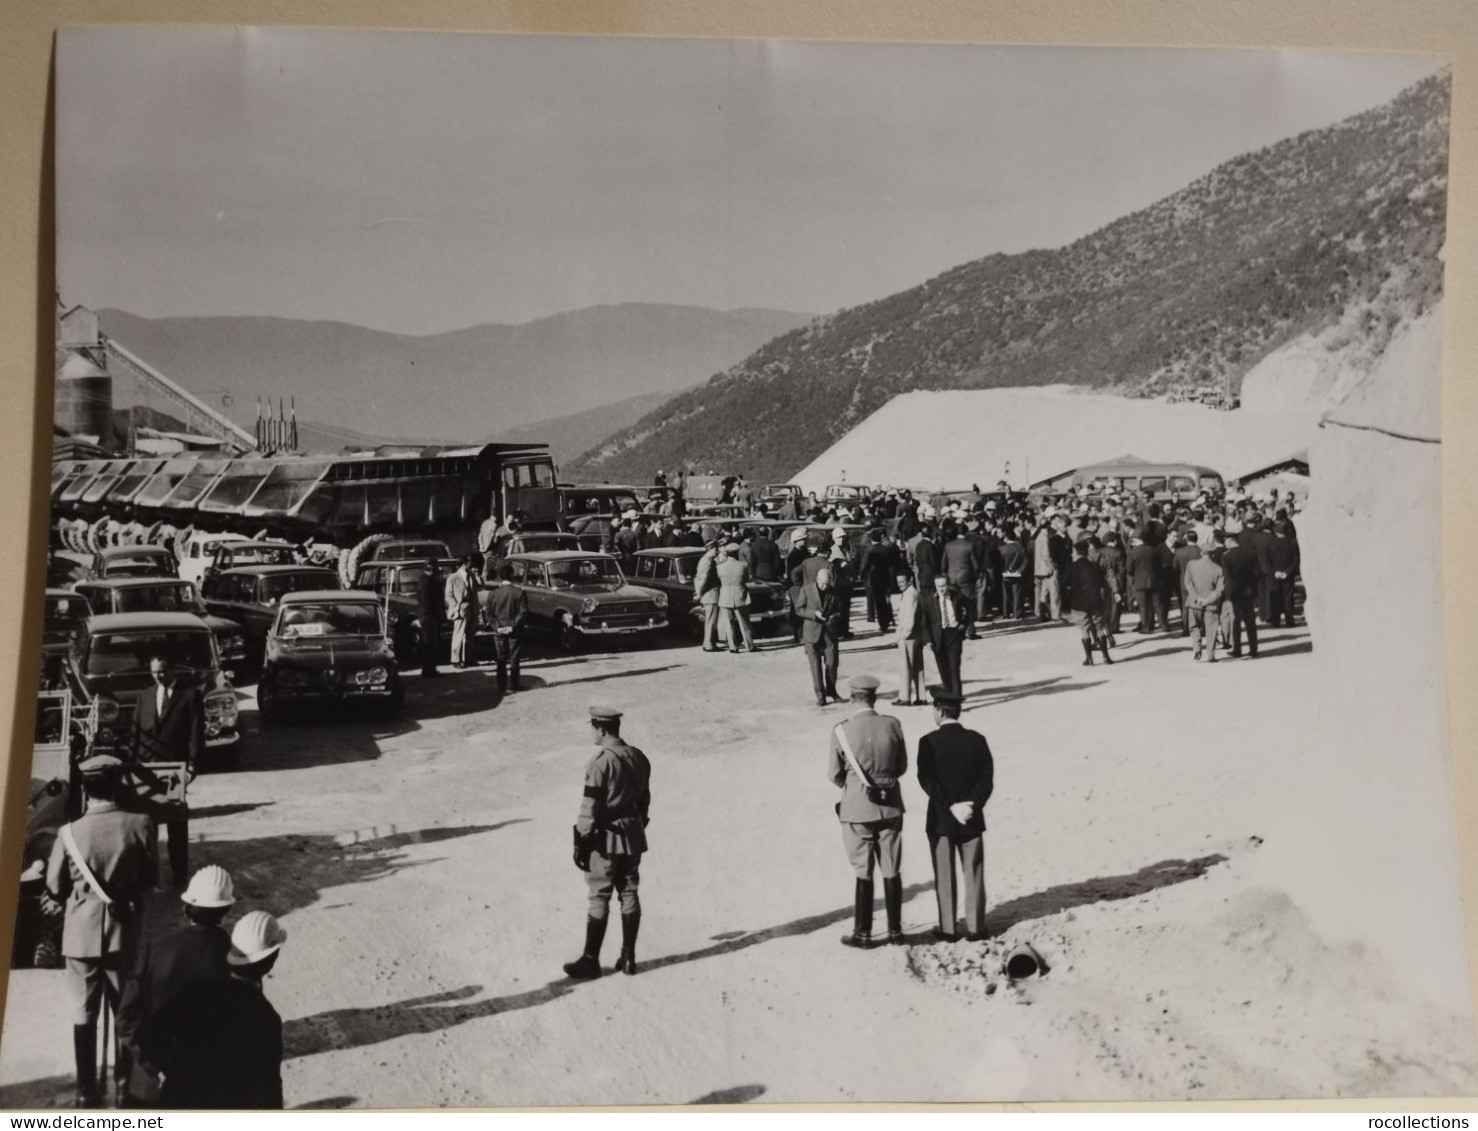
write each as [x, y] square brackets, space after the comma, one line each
[85, 1052]
[893, 904]
[630, 923]
[588, 964]
[861, 935]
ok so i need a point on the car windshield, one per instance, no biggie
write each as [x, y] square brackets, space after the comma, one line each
[169, 598]
[261, 555]
[604, 503]
[277, 585]
[413, 550]
[65, 613]
[329, 618]
[114, 653]
[533, 544]
[585, 573]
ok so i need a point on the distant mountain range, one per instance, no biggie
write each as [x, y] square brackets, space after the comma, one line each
[1338, 225]
[571, 436]
[461, 386]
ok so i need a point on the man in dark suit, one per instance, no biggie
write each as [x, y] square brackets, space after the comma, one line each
[1144, 579]
[505, 609]
[428, 606]
[943, 617]
[218, 1042]
[1283, 561]
[166, 965]
[957, 563]
[820, 611]
[169, 726]
[1241, 574]
[958, 774]
[878, 565]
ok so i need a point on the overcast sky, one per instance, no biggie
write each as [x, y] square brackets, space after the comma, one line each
[420, 183]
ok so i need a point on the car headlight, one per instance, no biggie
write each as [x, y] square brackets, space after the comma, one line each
[588, 606]
[660, 600]
[220, 706]
[375, 676]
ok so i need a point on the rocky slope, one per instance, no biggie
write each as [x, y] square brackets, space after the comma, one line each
[1180, 300]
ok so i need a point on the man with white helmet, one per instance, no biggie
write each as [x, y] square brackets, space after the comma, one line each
[165, 966]
[218, 1043]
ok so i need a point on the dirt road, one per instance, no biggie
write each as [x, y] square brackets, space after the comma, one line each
[422, 870]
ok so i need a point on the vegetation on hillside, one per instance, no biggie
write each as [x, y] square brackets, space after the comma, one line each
[1178, 300]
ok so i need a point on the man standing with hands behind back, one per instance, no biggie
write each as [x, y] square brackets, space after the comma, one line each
[958, 774]
[169, 726]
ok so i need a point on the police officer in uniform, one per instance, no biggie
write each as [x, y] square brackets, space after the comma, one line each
[871, 808]
[100, 868]
[610, 837]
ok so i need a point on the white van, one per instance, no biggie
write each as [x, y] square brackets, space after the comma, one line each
[199, 550]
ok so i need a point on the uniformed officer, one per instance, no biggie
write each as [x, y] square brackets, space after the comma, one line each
[867, 759]
[100, 868]
[610, 837]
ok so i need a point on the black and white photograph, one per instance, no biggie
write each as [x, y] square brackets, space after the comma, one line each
[635, 571]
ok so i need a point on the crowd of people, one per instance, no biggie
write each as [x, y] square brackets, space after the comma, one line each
[932, 571]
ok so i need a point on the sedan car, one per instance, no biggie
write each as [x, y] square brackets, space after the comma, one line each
[330, 646]
[109, 662]
[133, 561]
[671, 571]
[397, 584]
[164, 595]
[576, 596]
[249, 595]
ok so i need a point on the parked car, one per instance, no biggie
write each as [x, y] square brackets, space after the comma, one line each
[66, 612]
[397, 549]
[773, 496]
[330, 646]
[235, 554]
[109, 662]
[541, 541]
[165, 595]
[585, 510]
[133, 561]
[671, 571]
[197, 551]
[249, 595]
[398, 587]
[845, 494]
[575, 596]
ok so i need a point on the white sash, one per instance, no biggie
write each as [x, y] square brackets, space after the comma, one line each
[69, 842]
[841, 736]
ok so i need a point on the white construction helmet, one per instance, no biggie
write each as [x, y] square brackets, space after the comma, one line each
[210, 887]
[257, 936]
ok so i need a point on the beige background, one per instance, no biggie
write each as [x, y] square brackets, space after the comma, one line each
[27, 280]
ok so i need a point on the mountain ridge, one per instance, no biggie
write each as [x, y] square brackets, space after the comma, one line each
[461, 385]
[1179, 299]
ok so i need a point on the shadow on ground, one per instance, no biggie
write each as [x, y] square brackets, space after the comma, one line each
[355, 1027]
[280, 874]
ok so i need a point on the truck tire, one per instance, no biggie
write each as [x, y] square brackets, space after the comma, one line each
[350, 559]
[182, 542]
